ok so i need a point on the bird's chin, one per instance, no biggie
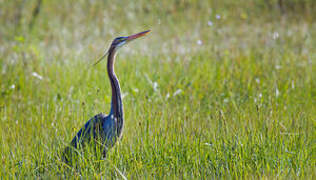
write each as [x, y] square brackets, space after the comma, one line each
[121, 44]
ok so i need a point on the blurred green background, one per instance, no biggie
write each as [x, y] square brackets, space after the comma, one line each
[218, 89]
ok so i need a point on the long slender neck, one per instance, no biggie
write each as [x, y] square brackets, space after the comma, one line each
[116, 104]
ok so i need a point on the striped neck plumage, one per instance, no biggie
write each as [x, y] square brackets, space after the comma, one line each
[116, 103]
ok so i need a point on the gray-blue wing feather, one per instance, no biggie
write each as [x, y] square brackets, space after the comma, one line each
[100, 127]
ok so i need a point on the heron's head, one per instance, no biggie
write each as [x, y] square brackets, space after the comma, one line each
[121, 41]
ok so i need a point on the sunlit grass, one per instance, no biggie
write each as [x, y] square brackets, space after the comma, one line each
[235, 98]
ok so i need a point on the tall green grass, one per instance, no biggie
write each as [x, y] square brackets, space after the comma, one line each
[217, 90]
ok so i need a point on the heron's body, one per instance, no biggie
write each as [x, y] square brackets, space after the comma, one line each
[104, 130]
[100, 128]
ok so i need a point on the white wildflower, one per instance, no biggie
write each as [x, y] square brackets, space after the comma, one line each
[210, 23]
[277, 67]
[218, 16]
[155, 86]
[292, 84]
[167, 96]
[124, 95]
[199, 42]
[136, 90]
[12, 86]
[178, 91]
[277, 92]
[275, 35]
[37, 75]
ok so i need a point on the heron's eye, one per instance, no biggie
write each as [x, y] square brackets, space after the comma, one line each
[119, 39]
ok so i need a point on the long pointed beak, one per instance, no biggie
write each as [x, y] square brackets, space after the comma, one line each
[135, 36]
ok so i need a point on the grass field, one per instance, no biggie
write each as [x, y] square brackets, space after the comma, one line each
[219, 89]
